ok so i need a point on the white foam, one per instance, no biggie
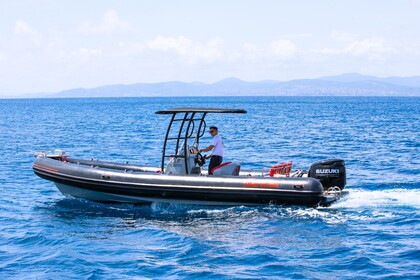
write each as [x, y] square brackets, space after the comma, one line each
[359, 198]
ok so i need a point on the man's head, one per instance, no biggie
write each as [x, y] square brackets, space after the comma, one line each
[213, 130]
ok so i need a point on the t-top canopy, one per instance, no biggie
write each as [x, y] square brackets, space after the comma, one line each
[200, 110]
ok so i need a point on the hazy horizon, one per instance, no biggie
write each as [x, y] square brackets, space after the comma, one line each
[350, 84]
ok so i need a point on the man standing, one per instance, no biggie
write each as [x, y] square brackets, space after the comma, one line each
[217, 147]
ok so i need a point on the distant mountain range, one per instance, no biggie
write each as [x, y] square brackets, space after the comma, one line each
[342, 85]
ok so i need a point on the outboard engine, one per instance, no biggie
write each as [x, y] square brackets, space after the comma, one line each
[330, 172]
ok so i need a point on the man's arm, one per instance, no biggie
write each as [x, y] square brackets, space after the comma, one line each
[209, 148]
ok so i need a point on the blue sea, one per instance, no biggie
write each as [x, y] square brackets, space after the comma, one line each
[373, 233]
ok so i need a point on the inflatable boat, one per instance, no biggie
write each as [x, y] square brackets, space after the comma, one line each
[180, 178]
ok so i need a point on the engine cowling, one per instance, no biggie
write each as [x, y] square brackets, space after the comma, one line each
[330, 173]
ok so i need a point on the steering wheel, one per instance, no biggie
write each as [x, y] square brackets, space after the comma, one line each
[199, 159]
[193, 150]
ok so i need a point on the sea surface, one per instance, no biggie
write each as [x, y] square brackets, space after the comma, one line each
[373, 233]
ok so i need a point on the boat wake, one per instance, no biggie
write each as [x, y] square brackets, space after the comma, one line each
[360, 198]
[358, 206]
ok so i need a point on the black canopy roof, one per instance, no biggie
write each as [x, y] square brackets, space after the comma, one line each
[200, 110]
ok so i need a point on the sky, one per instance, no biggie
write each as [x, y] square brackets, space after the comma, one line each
[47, 46]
